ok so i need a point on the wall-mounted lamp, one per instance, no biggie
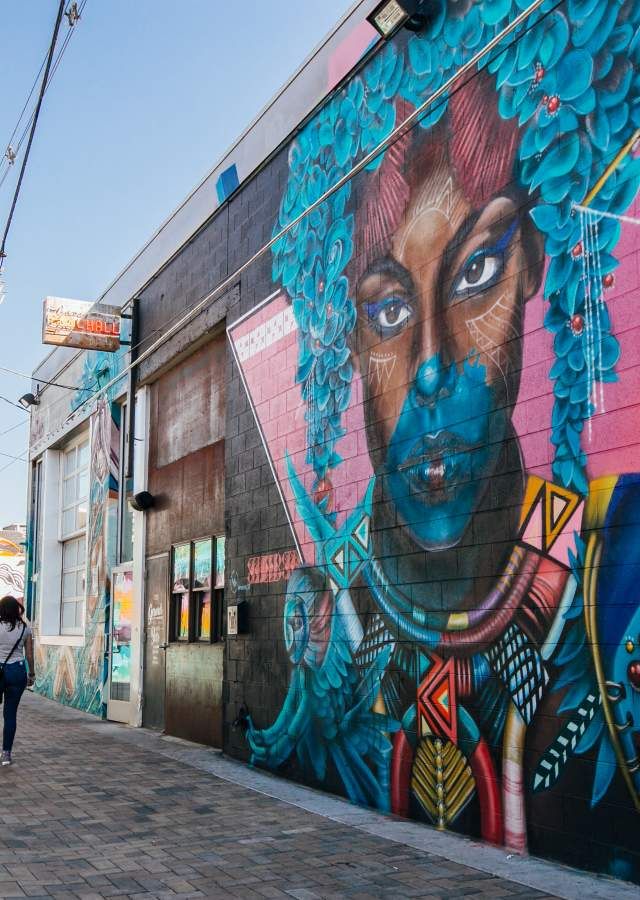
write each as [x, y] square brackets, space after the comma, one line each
[390, 15]
[28, 400]
[142, 501]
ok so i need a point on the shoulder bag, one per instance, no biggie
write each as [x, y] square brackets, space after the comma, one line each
[2, 667]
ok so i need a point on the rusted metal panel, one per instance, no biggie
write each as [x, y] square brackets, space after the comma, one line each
[194, 692]
[189, 404]
[186, 477]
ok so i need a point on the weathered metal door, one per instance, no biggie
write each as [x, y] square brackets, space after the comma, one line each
[157, 632]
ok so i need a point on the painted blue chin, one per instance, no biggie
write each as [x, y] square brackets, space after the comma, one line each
[440, 455]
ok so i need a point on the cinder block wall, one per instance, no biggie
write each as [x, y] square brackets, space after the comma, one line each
[443, 616]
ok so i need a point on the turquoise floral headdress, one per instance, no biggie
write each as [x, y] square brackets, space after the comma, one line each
[568, 77]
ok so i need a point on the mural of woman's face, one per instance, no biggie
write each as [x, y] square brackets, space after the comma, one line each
[439, 351]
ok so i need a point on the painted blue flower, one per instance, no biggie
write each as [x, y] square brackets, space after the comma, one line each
[575, 93]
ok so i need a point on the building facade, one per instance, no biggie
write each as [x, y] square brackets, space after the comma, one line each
[386, 425]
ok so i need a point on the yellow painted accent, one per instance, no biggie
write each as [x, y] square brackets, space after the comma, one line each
[551, 531]
[600, 491]
[8, 548]
[458, 621]
[613, 165]
[531, 492]
[442, 780]
[379, 705]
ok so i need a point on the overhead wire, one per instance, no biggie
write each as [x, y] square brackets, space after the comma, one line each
[45, 77]
[22, 458]
[68, 387]
[5, 162]
[13, 427]
[438, 97]
[11, 403]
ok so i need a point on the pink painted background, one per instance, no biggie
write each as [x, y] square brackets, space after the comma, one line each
[611, 448]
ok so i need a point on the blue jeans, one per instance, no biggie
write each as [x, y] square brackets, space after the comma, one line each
[15, 681]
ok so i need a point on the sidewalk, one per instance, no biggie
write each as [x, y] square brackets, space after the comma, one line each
[92, 809]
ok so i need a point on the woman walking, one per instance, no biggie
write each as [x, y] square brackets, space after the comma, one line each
[16, 640]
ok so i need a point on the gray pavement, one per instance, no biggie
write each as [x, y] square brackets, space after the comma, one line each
[92, 809]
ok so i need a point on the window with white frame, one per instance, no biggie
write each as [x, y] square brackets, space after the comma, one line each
[73, 524]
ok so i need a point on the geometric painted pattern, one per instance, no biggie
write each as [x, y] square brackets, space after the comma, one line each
[376, 637]
[550, 517]
[437, 700]
[519, 666]
[554, 758]
[346, 554]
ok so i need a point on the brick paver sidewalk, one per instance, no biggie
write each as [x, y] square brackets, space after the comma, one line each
[87, 815]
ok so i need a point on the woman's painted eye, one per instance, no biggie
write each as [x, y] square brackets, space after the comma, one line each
[389, 315]
[478, 273]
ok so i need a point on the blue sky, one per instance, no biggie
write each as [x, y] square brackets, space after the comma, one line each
[147, 97]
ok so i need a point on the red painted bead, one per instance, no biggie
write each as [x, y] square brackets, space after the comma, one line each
[539, 73]
[553, 104]
[324, 491]
[329, 310]
[577, 250]
[633, 673]
[576, 323]
[321, 285]
[317, 343]
[608, 280]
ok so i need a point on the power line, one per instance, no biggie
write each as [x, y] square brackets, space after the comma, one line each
[438, 97]
[36, 114]
[11, 403]
[11, 456]
[10, 159]
[13, 427]
[22, 458]
[39, 380]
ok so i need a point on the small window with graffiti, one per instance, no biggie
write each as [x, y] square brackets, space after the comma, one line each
[197, 590]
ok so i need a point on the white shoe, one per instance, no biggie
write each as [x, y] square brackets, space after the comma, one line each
[5, 760]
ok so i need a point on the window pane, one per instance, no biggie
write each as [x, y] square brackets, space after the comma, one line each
[69, 521]
[182, 616]
[83, 485]
[78, 618]
[69, 585]
[69, 615]
[69, 461]
[83, 454]
[69, 492]
[82, 550]
[81, 516]
[204, 616]
[80, 583]
[69, 555]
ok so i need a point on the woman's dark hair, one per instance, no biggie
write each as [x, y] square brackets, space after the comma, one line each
[11, 611]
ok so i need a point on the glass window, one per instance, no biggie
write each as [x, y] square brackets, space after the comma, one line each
[75, 488]
[73, 522]
[73, 585]
[196, 607]
[203, 630]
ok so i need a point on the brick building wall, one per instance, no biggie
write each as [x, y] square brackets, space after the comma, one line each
[431, 441]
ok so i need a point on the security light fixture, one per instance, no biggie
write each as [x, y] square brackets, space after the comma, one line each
[387, 17]
[390, 15]
[28, 400]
